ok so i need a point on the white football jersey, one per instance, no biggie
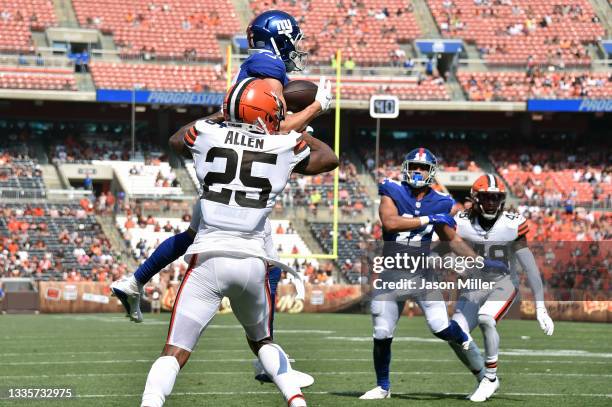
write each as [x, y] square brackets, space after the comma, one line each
[241, 174]
[495, 243]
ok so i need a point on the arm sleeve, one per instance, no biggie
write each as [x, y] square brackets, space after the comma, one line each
[527, 261]
[189, 138]
[522, 230]
[385, 188]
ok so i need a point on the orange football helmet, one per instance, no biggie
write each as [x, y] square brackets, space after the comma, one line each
[488, 194]
[253, 102]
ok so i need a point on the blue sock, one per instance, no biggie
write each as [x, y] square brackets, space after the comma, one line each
[169, 250]
[452, 333]
[274, 275]
[382, 360]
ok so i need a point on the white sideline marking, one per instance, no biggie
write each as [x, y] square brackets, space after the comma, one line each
[510, 352]
[416, 373]
[243, 360]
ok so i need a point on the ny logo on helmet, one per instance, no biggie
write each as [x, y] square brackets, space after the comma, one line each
[284, 27]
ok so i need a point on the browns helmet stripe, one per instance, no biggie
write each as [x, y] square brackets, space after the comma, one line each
[234, 98]
[491, 179]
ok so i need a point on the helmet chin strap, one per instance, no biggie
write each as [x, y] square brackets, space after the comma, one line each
[488, 216]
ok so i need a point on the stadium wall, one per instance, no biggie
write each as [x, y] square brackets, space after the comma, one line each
[91, 297]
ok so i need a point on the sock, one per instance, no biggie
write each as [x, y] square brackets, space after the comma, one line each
[382, 361]
[274, 275]
[471, 358]
[169, 250]
[160, 381]
[452, 333]
[277, 366]
[491, 368]
[491, 344]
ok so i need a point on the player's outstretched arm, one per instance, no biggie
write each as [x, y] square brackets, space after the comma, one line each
[527, 261]
[391, 220]
[299, 120]
[176, 140]
[321, 159]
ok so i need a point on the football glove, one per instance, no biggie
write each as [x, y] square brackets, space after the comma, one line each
[496, 265]
[442, 219]
[324, 94]
[546, 322]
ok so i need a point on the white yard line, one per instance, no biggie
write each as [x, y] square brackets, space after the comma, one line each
[415, 373]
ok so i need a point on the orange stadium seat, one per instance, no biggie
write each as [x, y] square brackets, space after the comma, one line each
[37, 78]
[518, 86]
[488, 24]
[368, 39]
[186, 78]
[18, 18]
[170, 29]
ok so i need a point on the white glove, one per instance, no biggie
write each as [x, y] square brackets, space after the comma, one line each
[546, 323]
[324, 94]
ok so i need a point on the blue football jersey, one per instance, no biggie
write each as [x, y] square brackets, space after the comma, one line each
[263, 65]
[407, 205]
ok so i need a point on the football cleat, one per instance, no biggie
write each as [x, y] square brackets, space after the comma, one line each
[486, 388]
[302, 379]
[128, 291]
[377, 393]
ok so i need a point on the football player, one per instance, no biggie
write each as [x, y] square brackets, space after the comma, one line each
[274, 40]
[410, 211]
[499, 235]
[242, 170]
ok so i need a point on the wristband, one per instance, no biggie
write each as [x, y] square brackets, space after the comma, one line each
[424, 220]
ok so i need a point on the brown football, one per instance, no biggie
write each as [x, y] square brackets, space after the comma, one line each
[299, 94]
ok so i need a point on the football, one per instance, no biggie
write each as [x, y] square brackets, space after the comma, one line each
[299, 94]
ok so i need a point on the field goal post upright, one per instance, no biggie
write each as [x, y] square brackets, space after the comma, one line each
[228, 74]
[334, 254]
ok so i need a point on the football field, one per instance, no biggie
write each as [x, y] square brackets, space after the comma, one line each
[105, 359]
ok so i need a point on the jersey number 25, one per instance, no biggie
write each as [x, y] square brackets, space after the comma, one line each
[231, 171]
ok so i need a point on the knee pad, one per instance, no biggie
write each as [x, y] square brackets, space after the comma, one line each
[486, 321]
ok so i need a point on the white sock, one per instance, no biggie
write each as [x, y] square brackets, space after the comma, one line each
[134, 284]
[160, 381]
[276, 364]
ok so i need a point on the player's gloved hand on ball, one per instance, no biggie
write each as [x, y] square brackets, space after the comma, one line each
[324, 94]
[497, 265]
[442, 219]
[546, 322]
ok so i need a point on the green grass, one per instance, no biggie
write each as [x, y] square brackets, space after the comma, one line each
[106, 359]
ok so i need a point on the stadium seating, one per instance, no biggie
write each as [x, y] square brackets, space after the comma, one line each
[369, 33]
[37, 78]
[549, 177]
[20, 176]
[508, 33]
[452, 155]
[55, 241]
[519, 86]
[172, 29]
[18, 17]
[349, 252]
[100, 146]
[185, 78]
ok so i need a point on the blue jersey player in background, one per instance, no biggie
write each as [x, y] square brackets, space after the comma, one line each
[274, 38]
[410, 211]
